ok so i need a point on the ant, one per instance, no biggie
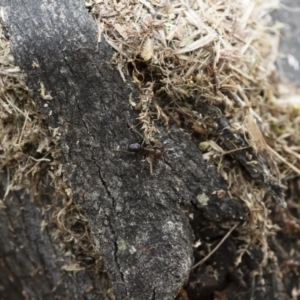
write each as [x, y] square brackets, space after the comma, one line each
[137, 147]
[88, 260]
[147, 151]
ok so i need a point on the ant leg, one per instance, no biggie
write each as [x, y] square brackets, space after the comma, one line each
[120, 150]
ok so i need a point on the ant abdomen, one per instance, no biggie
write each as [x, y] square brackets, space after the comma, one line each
[134, 147]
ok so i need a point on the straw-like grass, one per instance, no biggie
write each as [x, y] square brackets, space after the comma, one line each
[221, 51]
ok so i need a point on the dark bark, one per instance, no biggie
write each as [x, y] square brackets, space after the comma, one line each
[30, 261]
[261, 171]
[287, 62]
[139, 221]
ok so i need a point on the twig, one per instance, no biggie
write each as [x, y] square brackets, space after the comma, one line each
[216, 248]
[284, 160]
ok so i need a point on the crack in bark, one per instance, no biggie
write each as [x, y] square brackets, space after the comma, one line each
[103, 183]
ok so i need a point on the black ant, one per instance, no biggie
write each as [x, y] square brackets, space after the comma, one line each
[147, 151]
[88, 260]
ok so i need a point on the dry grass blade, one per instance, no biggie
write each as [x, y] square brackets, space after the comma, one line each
[216, 248]
[221, 50]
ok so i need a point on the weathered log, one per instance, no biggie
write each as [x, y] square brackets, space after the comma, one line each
[259, 171]
[30, 261]
[139, 221]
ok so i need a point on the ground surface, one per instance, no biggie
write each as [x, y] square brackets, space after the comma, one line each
[216, 278]
[282, 277]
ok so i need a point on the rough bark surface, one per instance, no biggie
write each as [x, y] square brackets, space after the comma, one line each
[288, 60]
[30, 262]
[261, 172]
[139, 221]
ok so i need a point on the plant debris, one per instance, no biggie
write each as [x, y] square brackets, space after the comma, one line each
[183, 55]
[187, 56]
